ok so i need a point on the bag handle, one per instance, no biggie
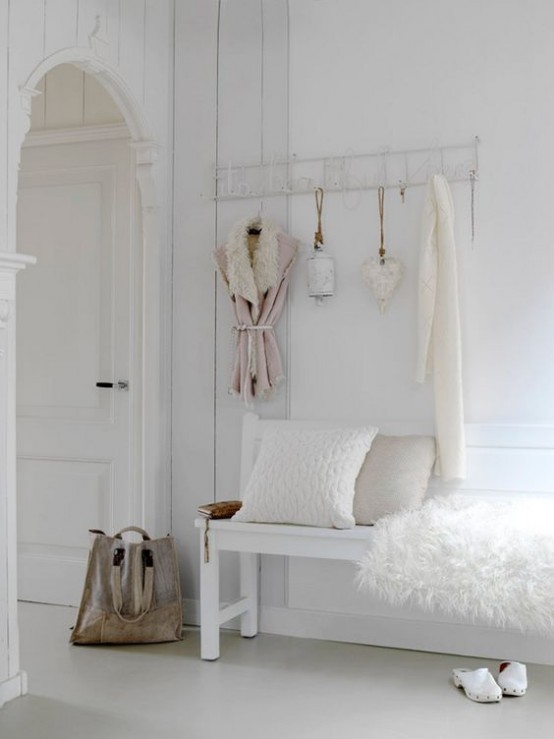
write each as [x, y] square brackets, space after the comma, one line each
[147, 588]
[136, 529]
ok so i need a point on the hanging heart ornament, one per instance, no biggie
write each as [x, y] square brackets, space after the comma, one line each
[383, 274]
[382, 277]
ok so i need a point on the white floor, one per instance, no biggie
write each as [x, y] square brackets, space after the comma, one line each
[265, 688]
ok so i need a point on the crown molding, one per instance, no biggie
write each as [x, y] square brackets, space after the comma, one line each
[77, 135]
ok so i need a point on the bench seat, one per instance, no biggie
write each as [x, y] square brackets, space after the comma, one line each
[251, 540]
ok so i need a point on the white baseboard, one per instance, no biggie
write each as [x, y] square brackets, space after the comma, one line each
[398, 633]
[14, 687]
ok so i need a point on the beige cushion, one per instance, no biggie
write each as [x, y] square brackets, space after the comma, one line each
[394, 476]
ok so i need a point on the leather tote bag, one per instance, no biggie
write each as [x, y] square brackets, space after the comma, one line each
[132, 593]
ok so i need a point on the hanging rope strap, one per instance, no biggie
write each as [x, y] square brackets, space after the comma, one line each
[381, 194]
[143, 567]
[318, 236]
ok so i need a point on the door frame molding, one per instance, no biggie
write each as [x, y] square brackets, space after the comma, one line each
[153, 449]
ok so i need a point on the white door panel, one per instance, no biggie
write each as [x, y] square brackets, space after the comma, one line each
[74, 329]
[52, 487]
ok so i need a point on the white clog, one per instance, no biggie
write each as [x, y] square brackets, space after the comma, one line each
[479, 685]
[512, 678]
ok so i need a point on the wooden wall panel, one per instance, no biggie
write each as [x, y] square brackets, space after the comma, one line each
[87, 12]
[113, 30]
[6, 606]
[61, 25]
[64, 97]
[275, 81]
[249, 128]
[252, 112]
[98, 106]
[239, 136]
[71, 97]
[158, 69]
[131, 53]
[4, 83]
[193, 276]
[27, 40]
[38, 105]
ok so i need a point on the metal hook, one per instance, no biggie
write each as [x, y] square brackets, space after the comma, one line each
[434, 149]
[473, 176]
[403, 186]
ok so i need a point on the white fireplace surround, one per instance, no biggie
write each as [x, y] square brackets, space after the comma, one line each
[13, 682]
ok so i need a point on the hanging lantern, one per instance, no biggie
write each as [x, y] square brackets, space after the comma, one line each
[383, 274]
[321, 275]
[321, 266]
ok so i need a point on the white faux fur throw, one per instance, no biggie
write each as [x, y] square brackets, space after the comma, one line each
[490, 562]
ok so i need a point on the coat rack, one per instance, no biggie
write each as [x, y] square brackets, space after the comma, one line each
[392, 169]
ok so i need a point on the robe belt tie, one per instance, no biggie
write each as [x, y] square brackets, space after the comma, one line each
[245, 327]
[249, 329]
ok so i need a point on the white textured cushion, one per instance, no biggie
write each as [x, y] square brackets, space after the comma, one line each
[306, 477]
[394, 476]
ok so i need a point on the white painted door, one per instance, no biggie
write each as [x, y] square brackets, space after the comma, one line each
[75, 214]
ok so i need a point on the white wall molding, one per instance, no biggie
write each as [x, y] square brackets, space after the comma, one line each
[146, 156]
[510, 435]
[14, 687]
[12, 680]
[424, 634]
[5, 313]
[98, 38]
[10, 264]
[105, 73]
[78, 135]
[408, 633]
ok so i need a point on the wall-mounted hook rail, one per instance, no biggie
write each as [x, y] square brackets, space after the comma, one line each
[348, 172]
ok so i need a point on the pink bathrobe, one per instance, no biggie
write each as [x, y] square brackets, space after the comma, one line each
[258, 288]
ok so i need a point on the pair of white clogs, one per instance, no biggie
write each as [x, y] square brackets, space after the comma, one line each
[480, 686]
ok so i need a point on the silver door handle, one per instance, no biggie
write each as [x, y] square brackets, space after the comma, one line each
[119, 385]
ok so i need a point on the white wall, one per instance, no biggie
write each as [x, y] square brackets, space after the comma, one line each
[403, 74]
[364, 75]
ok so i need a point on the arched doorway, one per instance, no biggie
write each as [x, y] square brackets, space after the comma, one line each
[149, 443]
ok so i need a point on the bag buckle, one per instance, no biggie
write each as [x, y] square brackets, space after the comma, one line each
[118, 557]
[147, 558]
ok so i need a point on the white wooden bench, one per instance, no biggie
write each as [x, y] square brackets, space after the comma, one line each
[253, 539]
[503, 461]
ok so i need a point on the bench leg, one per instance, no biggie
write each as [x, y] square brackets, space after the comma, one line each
[209, 600]
[249, 574]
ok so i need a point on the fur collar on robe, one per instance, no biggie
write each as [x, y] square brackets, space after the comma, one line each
[250, 278]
